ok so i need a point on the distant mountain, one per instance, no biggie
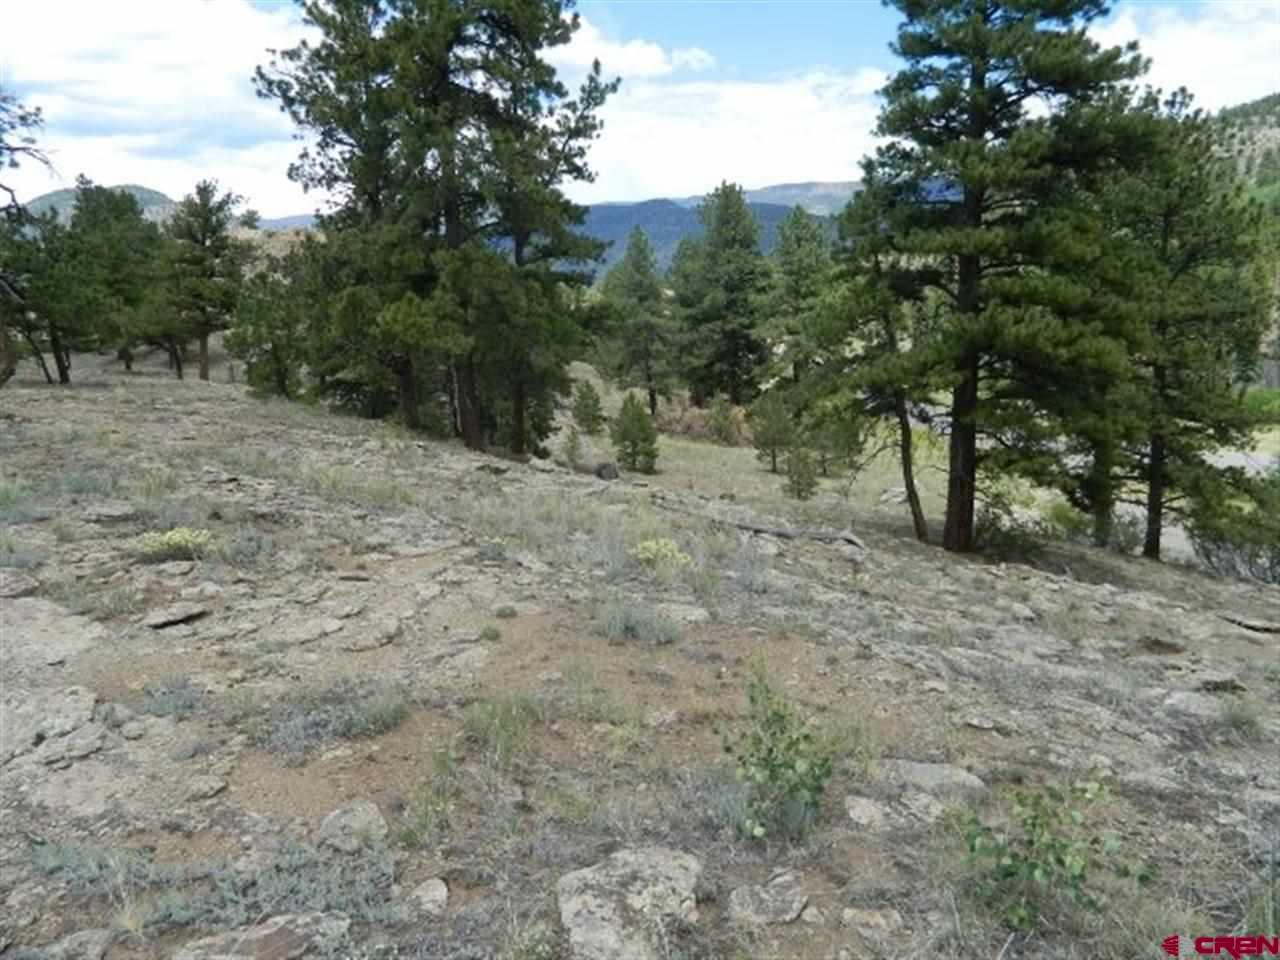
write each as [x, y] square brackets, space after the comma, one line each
[155, 205]
[1252, 134]
[823, 199]
[301, 221]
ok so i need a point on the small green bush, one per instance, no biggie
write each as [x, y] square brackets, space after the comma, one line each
[661, 555]
[181, 543]
[624, 622]
[635, 438]
[1263, 402]
[784, 766]
[491, 634]
[722, 424]
[506, 612]
[1047, 854]
[588, 413]
[802, 475]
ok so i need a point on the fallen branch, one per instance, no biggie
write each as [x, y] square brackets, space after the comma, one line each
[1257, 626]
[782, 533]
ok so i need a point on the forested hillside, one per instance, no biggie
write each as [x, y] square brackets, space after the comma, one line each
[154, 204]
[1252, 136]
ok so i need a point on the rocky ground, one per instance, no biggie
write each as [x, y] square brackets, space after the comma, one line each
[413, 702]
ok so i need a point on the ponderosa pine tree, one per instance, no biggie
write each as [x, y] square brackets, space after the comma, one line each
[446, 135]
[1194, 243]
[801, 279]
[719, 280]
[642, 337]
[1004, 110]
[208, 263]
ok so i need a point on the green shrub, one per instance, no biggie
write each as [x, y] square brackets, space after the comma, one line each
[1263, 402]
[661, 555]
[772, 428]
[310, 720]
[490, 634]
[501, 726]
[572, 449]
[623, 622]
[722, 424]
[635, 438]
[588, 413]
[1241, 539]
[181, 543]
[784, 766]
[802, 475]
[1047, 854]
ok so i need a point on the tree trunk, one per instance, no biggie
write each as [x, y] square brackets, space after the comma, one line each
[653, 401]
[175, 359]
[125, 354]
[61, 358]
[469, 418]
[39, 355]
[1101, 492]
[518, 404]
[8, 357]
[907, 455]
[204, 356]
[962, 470]
[773, 460]
[1155, 497]
[407, 388]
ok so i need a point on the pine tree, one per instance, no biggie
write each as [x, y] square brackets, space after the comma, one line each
[719, 281]
[635, 438]
[772, 428]
[588, 413]
[802, 278]
[208, 263]
[1194, 244]
[641, 346]
[989, 179]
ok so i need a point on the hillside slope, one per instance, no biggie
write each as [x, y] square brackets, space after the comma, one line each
[155, 205]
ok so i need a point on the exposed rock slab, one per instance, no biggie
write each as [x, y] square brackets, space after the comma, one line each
[353, 827]
[287, 937]
[15, 583]
[174, 614]
[938, 779]
[614, 910]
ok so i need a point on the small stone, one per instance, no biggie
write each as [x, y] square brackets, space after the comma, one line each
[204, 786]
[935, 778]
[174, 568]
[14, 584]
[174, 614]
[661, 719]
[980, 723]
[133, 730]
[935, 686]
[377, 632]
[85, 945]
[866, 813]
[871, 923]
[353, 827]
[781, 900]
[432, 897]
[606, 471]
[1219, 683]
[1020, 611]
[813, 916]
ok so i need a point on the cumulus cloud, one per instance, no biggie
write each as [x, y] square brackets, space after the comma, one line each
[630, 58]
[1224, 52]
[156, 92]
[680, 138]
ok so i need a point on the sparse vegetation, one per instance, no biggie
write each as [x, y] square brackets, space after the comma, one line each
[783, 764]
[298, 726]
[624, 622]
[500, 727]
[181, 543]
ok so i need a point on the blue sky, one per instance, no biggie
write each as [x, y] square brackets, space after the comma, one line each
[756, 91]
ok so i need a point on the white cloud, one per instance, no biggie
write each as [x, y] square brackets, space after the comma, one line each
[631, 58]
[682, 138]
[1224, 52]
[156, 92]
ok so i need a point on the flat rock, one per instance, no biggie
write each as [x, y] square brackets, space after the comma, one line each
[867, 813]
[685, 612]
[286, 937]
[85, 945]
[374, 633]
[431, 897]
[37, 723]
[612, 910]
[939, 779]
[353, 827]
[874, 924]
[174, 614]
[78, 744]
[15, 583]
[36, 633]
[1202, 706]
[203, 786]
[781, 900]
[110, 511]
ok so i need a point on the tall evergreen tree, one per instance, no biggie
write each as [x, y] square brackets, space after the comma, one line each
[1005, 108]
[642, 336]
[208, 263]
[1195, 247]
[719, 280]
[802, 278]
